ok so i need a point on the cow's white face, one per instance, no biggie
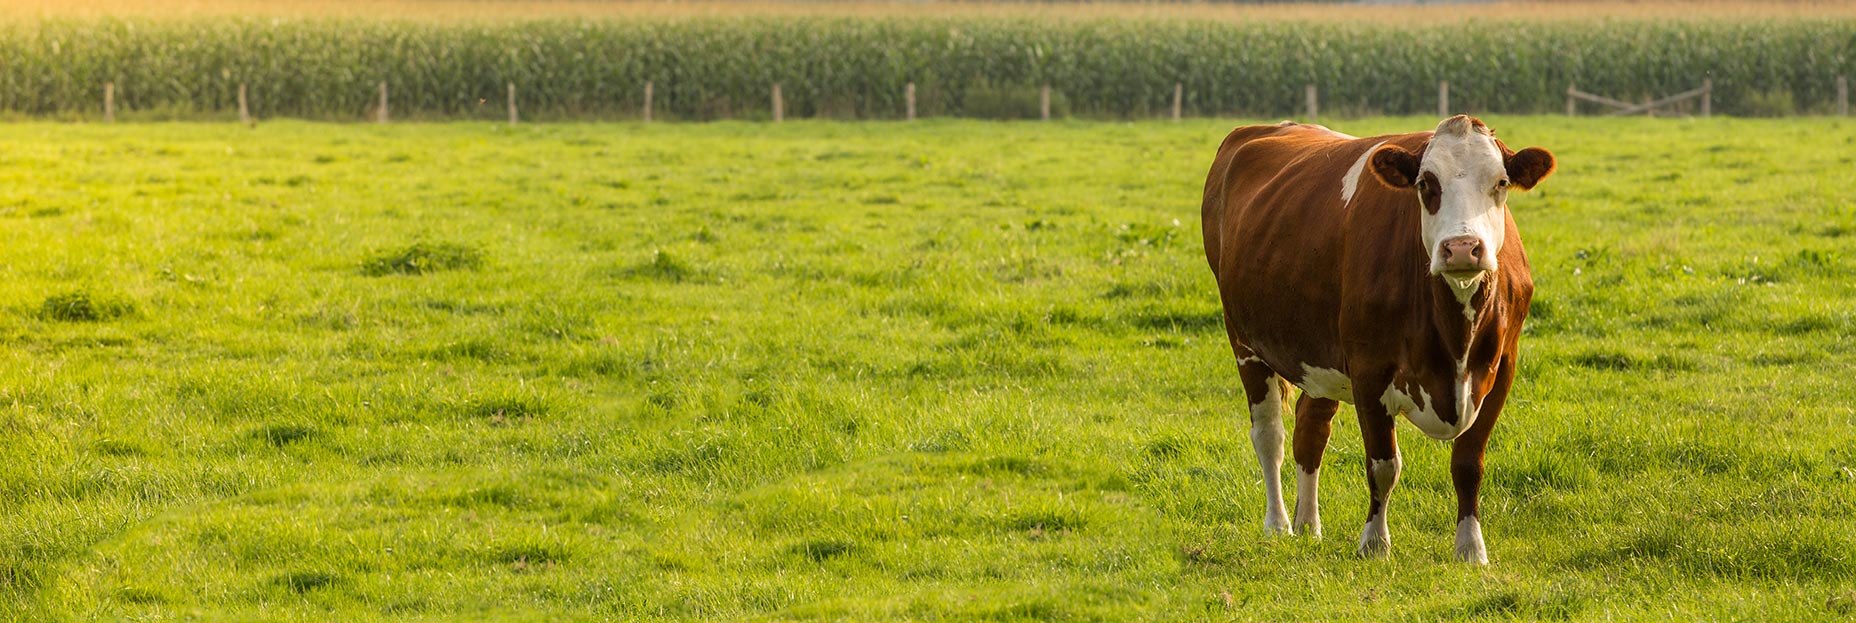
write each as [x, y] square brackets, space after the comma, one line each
[1462, 177]
[1465, 193]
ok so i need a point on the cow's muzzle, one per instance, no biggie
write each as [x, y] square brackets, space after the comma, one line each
[1464, 256]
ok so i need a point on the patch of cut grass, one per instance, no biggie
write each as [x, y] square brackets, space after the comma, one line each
[280, 435]
[423, 257]
[85, 306]
[306, 581]
[666, 267]
[501, 409]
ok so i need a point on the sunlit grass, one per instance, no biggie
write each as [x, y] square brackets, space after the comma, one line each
[460, 10]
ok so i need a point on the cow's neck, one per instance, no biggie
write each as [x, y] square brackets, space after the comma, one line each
[1463, 319]
[1460, 313]
[1472, 303]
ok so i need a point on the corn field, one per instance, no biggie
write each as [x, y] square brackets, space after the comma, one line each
[856, 67]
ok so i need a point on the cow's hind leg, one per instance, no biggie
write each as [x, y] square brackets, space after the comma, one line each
[1266, 392]
[1313, 422]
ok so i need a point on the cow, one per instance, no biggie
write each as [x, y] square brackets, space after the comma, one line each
[1385, 272]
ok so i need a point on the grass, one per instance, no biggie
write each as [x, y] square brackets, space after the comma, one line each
[933, 371]
[453, 10]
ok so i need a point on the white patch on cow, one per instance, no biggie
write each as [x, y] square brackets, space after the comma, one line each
[1308, 503]
[1351, 182]
[1421, 413]
[1385, 473]
[1329, 130]
[1467, 166]
[1418, 410]
[1326, 383]
[1375, 539]
[1266, 437]
[1244, 360]
[1466, 404]
[1469, 542]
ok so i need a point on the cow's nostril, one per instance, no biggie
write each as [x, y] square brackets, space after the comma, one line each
[1463, 250]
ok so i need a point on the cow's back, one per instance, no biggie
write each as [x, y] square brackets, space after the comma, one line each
[1248, 158]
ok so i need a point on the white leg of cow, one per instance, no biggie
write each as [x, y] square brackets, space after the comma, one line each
[1313, 423]
[1266, 437]
[1307, 503]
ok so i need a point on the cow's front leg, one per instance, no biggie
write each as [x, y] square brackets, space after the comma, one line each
[1382, 467]
[1466, 469]
[1466, 474]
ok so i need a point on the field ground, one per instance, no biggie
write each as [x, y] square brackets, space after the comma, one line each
[934, 371]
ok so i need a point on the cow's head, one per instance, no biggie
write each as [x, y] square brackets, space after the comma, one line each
[1462, 177]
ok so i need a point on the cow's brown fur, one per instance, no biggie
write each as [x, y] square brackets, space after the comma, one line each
[1309, 281]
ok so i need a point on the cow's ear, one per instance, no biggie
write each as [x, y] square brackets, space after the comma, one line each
[1395, 167]
[1528, 166]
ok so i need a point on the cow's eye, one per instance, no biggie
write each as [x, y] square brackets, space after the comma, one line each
[1421, 186]
[1501, 185]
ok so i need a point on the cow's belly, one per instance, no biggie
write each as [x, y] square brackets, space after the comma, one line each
[1309, 364]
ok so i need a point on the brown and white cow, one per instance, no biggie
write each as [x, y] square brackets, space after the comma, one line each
[1385, 272]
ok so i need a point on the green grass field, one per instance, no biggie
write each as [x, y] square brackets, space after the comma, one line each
[868, 371]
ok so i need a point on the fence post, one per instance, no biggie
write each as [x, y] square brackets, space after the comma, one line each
[383, 102]
[109, 102]
[1044, 103]
[1707, 97]
[908, 98]
[1648, 110]
[1179, 93]
[647, 101]
[1312, 107]
[512, 103]
[1572, 108]
[779, 104]
[1843, 96]
[244, 111]
[1443, 98]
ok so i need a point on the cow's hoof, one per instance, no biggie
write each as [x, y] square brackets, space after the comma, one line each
[1375, 542]
[1309, 529]
[1276, 525]
[1469, 547]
